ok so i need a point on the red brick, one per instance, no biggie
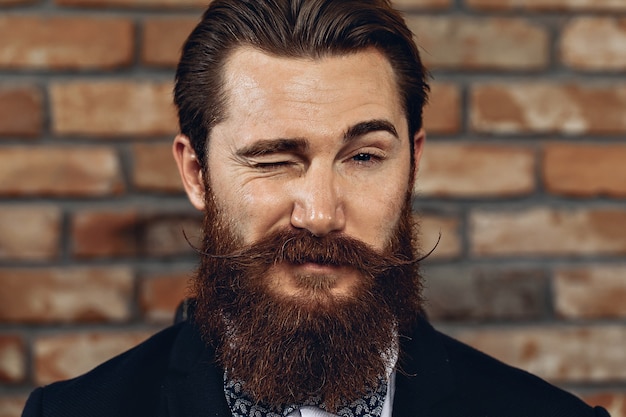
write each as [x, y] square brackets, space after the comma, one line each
[160, 294]
[155, 169]
[76, 294]
[559, 354]
[59, 171]
[596, 44]
[163, 39]
[116, 231]
[585, 170]
[590, 291]
[30, 233]
[12, 405]
[112, 108]
[473, 170]
[549, 5]
[65, 42]
[542, 107]
[466, 43]
[548, 232]
[461, 293]
[613, 402]
[442, 114]
[430, 226]
[124, 233]
[419, 4]
[21, 111]
[12, 359]
[135, 3]
[68, 355]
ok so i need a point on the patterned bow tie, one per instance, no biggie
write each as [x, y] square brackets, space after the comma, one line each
[243, 406]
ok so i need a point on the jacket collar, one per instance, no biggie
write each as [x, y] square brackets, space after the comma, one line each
[194, 385]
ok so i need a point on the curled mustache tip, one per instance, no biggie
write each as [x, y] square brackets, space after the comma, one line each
[430, 252]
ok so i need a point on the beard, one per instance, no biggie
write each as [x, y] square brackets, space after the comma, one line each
[289, 349]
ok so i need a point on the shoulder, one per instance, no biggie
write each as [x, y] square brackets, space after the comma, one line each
[504, 390]
[127, 384]
[440, 376]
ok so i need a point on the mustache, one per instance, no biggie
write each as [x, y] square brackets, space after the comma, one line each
[299, 246]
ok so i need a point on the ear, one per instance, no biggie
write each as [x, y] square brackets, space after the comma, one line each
[190, 170]
[418, 146]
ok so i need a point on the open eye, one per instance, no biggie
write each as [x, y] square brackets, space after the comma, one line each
[362, 157]
[366, 158]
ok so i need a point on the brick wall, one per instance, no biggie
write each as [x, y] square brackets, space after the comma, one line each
[524, 176]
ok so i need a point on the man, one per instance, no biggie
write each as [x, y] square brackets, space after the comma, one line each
[301, 134]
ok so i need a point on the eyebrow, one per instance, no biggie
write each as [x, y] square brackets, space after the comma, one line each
[270, 146]
[300, 145]
[363, 128]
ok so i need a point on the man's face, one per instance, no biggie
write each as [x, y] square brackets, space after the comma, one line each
[320, 145]
[308, 251]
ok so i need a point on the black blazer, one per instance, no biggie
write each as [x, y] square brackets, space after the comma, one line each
[174, 374]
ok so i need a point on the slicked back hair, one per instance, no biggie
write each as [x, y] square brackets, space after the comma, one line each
[290, 29]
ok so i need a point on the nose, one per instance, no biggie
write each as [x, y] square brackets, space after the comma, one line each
[318, 206]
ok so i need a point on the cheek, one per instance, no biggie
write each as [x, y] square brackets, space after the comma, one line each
[374, 215]
[257, 210]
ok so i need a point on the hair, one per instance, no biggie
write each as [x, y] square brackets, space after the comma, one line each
[290, 29]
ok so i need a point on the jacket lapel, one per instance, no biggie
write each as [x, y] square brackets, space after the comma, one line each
[423, 378]
[194, 385]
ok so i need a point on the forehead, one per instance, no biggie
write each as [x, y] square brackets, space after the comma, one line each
[312, 95]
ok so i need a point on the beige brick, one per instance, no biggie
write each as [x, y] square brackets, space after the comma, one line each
[573, 354]
[542, 107]
[112, 108]
[11, 405]
[30, 233]
[442, 114]
[548, 232]
[164, 234]
[65, 42]
[549, 5]
[468, 43]
[430, 228]
[21, 110]
[585, 170]
[590, 291]
[451, 169]
[613, 401]
[461, 293]
[59, 171]
[123, 233]
[135, 3]
[12, 359]
[596, 44]
[68, 355]
[154, 168]
[418, 4]
[160, 294]
[163, 39]
[74, 294]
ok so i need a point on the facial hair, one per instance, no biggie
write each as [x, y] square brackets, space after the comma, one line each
[287, 350]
